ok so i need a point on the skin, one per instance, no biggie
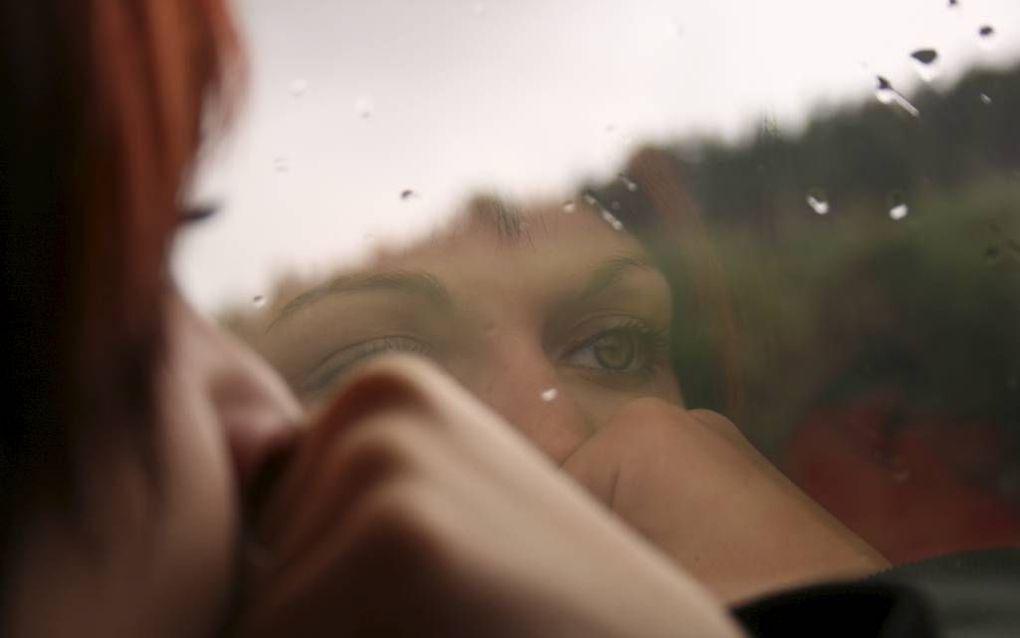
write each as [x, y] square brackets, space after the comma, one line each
[513, 322]
[399, 501]
[414, 510]
[140, 557]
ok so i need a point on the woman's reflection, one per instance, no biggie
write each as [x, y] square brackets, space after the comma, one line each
[555, 319]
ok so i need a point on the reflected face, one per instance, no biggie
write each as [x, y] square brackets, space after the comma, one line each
[554, 327]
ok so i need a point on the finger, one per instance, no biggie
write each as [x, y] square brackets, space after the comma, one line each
[720, 425]
[378, 388]
[380, 448]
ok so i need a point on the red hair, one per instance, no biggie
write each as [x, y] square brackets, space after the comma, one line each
[100, 120]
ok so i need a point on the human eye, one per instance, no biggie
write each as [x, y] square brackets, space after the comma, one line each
[624, 348]
[338, 364]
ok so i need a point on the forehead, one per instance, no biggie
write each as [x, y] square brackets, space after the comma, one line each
[498, 239]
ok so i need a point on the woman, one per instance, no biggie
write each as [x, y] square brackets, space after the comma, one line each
[135, 429]
[561, 323]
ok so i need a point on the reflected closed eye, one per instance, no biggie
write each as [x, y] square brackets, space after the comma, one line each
[334, 367]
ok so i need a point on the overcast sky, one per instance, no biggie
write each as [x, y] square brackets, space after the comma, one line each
[353, 102]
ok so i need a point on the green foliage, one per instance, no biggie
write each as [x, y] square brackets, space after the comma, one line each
[836, 307]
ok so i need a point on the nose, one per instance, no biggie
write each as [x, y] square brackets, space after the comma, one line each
[255, 409]
[523, 386]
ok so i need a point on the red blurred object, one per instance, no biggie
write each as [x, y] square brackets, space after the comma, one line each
[913, 485]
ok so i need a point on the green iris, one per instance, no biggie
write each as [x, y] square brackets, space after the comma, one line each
[615, 350]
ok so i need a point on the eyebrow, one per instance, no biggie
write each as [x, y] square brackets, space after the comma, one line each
[608, 272]
[422, 284]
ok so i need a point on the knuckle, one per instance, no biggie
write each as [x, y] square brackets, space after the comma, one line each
[382, 445]
[647, 409]
[404, 519]
[715, 421]
[648, 418]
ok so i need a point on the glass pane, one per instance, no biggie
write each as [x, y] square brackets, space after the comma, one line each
[802, 215]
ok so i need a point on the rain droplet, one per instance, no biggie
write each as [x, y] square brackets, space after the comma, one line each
[407, 194]
[550, 394]
[926, 63]
[899, 211]
[925, 56]
[569, 207]
[611, 219]
[986, 31]
[817, 201]
[630, 184]
[953, 3]
[590, 200]
[298, 87]
[886, 94]
[364, 107]
[258, 301]
[281, 165]
[985, 99]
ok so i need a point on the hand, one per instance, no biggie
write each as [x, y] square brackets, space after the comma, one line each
[694, 487]
[412, 509]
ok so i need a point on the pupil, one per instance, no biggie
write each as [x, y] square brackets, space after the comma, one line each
[615, 351]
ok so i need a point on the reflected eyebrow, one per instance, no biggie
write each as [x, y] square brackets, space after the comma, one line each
[422, 284]
[608, 273]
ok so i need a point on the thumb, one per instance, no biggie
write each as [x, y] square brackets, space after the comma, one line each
[595, 467]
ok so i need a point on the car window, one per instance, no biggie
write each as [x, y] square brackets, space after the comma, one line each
[802, 215]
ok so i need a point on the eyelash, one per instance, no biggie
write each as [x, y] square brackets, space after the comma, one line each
[197, 214]
[355, 354]
[652, 348]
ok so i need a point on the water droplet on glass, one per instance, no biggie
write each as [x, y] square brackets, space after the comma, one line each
[817, 201]
[953, 3]
[280, 165]
[364, 107]
[550, 394]
[986, 31]
[630, 184]
[985, 99]
[925, 56]
[298, 87]
[611, 219]
[258, 301]
[569, 207]
[926, 63]
[407, 194]
[899, 211]
[886, 94]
